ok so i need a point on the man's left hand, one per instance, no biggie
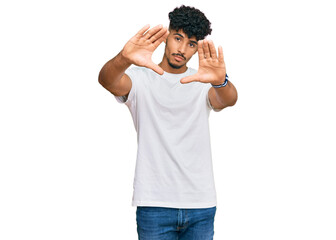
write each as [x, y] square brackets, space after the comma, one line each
[211, 67]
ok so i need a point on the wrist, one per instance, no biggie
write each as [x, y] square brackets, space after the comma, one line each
[123, 60]
[217, 83]
[222, 84]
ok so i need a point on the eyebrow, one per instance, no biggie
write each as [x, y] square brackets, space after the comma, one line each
[183, 37]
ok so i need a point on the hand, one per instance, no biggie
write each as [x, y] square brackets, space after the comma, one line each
[211, 68]
[139, 49]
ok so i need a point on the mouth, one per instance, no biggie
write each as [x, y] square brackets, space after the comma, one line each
[178, 57]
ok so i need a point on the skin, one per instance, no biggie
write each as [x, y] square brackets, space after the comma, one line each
[178, 51]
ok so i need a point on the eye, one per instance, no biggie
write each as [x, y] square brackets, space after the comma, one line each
[177, 38]
[192, 45]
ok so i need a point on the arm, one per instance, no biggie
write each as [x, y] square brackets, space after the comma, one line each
[212, 70]
[223, 97]
[138, 51]
[113, 78]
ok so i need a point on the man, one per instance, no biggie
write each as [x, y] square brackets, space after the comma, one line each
[170, 103]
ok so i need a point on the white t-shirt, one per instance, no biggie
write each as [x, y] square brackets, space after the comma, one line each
[174, 162]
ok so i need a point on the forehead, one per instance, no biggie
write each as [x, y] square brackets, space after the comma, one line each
[184, 35]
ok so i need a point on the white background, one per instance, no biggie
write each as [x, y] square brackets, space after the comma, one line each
[68, 148]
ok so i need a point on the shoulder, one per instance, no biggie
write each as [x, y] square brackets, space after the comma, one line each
[191, 71]
[138, 72]
[135, 69]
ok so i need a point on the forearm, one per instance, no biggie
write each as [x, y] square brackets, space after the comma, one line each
[113, 70]
[227, 95]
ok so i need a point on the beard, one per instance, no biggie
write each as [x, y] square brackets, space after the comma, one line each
[173, 65]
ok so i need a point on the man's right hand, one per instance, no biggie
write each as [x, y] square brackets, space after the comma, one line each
[139, 49]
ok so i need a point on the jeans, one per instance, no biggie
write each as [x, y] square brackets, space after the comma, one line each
[158, 223]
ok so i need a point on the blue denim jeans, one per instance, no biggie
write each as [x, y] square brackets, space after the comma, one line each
[158, 223]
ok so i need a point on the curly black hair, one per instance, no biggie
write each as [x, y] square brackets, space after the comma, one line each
[191, 20]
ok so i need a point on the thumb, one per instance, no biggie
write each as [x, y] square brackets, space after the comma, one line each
[189, 79]
[155, 68]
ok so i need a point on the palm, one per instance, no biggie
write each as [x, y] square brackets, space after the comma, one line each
[211, 67]
[139, 49]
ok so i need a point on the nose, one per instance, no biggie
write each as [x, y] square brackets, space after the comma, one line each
[182, 48]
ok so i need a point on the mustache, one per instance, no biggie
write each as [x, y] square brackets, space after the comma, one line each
[177, 54]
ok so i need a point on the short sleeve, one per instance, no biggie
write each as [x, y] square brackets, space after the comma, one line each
[210, 107]
[130, 72]
[206, 88]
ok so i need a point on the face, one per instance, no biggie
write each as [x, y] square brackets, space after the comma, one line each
[179, 48]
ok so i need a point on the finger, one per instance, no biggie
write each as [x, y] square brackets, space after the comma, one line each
[158, 35]
[220, 54]
[212, 49]
[192, 78]
[143, 30]
[161, 39]
[200, 50]
[206, 49]
[155, 68]
[152, 31]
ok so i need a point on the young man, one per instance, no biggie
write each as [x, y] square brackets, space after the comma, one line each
[170, 103]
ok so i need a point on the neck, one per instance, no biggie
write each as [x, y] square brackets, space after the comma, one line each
[164, 64]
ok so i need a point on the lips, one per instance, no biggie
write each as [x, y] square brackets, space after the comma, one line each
[178, 58]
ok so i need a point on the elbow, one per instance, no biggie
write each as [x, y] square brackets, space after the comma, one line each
[234, 100]
[100, 78]
[230, 103]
